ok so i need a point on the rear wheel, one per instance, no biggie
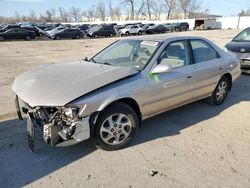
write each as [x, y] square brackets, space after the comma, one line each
[139, 33]
[2, 38]
[111, 34]
[115, 127]
[27, 37]
[127, 33]
[220, 93]
[57, 37]
[77, 37]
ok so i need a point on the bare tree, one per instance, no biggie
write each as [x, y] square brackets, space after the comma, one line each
[141, 10]
[101, 10]
[244, 13]
[89, 14]
[188, 6]
[131, 4]
[157, 9]
[63, 15]
[149, 4]
[171, 6]
[49, 15]
[75, 13]
[32, 17]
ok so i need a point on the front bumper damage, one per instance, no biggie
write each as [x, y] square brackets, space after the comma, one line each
[56, 128]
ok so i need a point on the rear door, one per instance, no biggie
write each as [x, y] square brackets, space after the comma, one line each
[207, 68]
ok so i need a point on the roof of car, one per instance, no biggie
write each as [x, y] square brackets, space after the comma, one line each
[162, 37]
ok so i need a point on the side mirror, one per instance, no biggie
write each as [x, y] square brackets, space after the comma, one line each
[161, 69]
[86, 59]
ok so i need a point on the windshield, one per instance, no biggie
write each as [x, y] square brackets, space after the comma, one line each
[243, 36]
[128, 53]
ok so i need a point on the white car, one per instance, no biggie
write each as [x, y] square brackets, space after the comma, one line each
[131, 29]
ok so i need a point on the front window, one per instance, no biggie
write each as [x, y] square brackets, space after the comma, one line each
[243, 36]
[176, 55]
[128, 53]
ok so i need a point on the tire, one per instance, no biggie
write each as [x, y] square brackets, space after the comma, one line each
[127, 33]
[77, 37]
[95, 36]
[27, 37]
[111, 35]
[115, 136]
[140, 32]
[220, 93]
[57, 37]
[2, 38]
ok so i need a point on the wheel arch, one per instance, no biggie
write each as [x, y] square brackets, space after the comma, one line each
[229, 77]
[126, 100]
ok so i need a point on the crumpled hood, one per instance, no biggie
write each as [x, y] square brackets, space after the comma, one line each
[59, 84]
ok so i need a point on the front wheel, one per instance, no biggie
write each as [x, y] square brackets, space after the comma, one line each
[27, 37]
[220, 93]
[2, 38]
[115, 127]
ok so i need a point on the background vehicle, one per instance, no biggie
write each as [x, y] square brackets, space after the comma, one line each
[7, 27]
[97, 31]
[17, 33]
[169, 27]
[241, 46]
[131, 29]
[67, 33]
[147, 26]
[131, 80]
[156, 29]
[182, 26]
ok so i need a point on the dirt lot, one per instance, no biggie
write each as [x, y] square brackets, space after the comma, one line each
[197, 145]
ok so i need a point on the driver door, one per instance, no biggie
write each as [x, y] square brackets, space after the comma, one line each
[173, 88]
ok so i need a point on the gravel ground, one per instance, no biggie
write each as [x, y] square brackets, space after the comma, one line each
[197, 145]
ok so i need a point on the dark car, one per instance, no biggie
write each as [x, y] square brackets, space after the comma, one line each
[241, 46]
[181, 26]
[8, 27]
[106, 31]
[156, 29]
[67, 33]
[31, 28]
[147, 26]
[17, 33]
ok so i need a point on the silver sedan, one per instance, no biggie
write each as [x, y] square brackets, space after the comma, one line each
[107, 97]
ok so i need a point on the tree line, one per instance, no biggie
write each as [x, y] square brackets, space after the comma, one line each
[105, 10]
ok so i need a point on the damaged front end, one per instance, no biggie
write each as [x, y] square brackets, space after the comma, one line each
[57, 124]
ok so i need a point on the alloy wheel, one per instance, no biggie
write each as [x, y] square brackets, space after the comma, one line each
[221, 91]
[115, 129]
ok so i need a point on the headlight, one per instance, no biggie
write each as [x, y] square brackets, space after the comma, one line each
[71, 112]
[225, 49]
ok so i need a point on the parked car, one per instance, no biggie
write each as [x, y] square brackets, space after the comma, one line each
[8, 27]
[67, 33]
[131, 29]
[17, 33]
[241, 46]
[107, 97]
[169, 27]
[181, 26]
[147, 26]
[97, 31]
[31, 28]
[156, 29]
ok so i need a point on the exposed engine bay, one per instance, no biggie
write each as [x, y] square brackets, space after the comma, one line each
[57, 124]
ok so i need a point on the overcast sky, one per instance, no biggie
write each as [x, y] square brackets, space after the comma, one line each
[23, 7]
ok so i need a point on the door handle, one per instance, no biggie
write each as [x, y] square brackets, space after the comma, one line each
[189, 76]
[220, 68]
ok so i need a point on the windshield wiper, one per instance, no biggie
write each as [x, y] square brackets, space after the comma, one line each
[106, 63]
